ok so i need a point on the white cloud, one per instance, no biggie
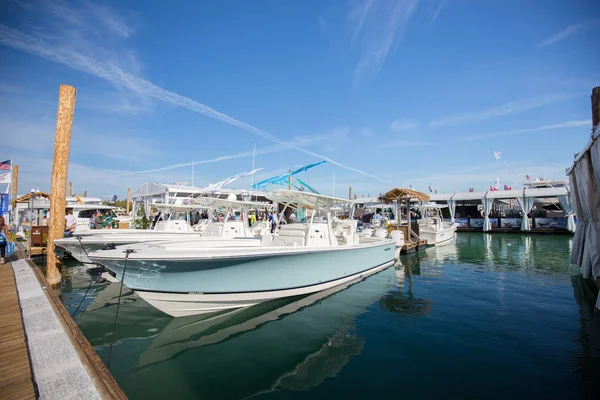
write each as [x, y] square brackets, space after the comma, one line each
[400, 125]
[566, 32]
[117, 76]
[35, 134]
[379, 26]
[512, 107]
[266, 150]
[367, 132]
[567, 124]
[437, 12]
[482, 176]
[323, 26]
[118, 101]
[408, 143]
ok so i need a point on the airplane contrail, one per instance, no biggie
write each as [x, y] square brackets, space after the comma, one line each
[267, 150]
[13, 38]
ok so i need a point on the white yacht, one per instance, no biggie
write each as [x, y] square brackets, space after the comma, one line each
[174, 226]
[181, 278]
[432, 226]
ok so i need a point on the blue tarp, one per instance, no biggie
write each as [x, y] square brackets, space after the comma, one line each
[281, 179]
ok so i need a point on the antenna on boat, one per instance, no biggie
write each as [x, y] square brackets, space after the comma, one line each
[252, 177]
[333, 195]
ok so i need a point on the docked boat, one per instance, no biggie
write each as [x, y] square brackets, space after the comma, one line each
[174, 227]
[180, 279]
[432, 226]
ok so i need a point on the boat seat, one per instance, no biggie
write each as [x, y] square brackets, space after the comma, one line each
[296, 233]
[213, 230]
[291, 235]
[287, 241]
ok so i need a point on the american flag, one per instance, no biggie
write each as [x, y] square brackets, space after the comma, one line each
[5, 165]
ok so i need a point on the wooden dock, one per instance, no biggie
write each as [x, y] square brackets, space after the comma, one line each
[43, 353]
[15, 371]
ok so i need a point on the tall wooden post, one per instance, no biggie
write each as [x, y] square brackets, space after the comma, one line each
[595, 106]
[350, 193]
[85, 193]
[15, 181]
[290, 181]
[128, 199]
[70, 188]
[60, 166]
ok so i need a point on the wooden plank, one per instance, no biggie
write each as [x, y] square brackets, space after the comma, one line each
[15, 371]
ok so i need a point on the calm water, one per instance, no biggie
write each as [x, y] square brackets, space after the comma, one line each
[492, 316]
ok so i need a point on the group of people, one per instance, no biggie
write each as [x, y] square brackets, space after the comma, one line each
[102, 221]
[367, 217]
[98, 221]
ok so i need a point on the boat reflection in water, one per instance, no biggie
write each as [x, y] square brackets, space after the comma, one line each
[401, 302]
[293, 343]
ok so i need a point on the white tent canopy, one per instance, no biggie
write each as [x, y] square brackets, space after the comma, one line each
[584, 176]
[502, 194]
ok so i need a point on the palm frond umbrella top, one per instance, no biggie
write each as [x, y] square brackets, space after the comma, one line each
[25, 198]
[401, 193]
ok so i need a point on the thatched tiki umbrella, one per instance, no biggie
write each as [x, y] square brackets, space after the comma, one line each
[25, 198]
[399, 194]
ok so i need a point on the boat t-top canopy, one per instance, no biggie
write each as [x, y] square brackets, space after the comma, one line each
[431, 205]
[305, 198]
[212, 202]
[177, 207]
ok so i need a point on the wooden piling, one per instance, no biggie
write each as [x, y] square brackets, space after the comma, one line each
[70, 189]
[85, 193]
[596, 106]
[350, 193]
[128, 199]
[15, 181]
[60, 166]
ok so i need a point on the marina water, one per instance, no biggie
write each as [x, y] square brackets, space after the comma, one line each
[492, 316]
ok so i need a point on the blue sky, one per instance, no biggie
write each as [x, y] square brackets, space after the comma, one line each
[391, 93]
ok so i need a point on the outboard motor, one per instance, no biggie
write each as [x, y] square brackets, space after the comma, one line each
[398, 237]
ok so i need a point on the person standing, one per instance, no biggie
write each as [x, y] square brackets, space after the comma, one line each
[3, 239]
[107, 221]
[98, 223]
[70, 223]
[272, 222]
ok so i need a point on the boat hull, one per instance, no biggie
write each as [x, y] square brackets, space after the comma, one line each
[80, 250]
[207, 284]
[186, 304]
[438, 237]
